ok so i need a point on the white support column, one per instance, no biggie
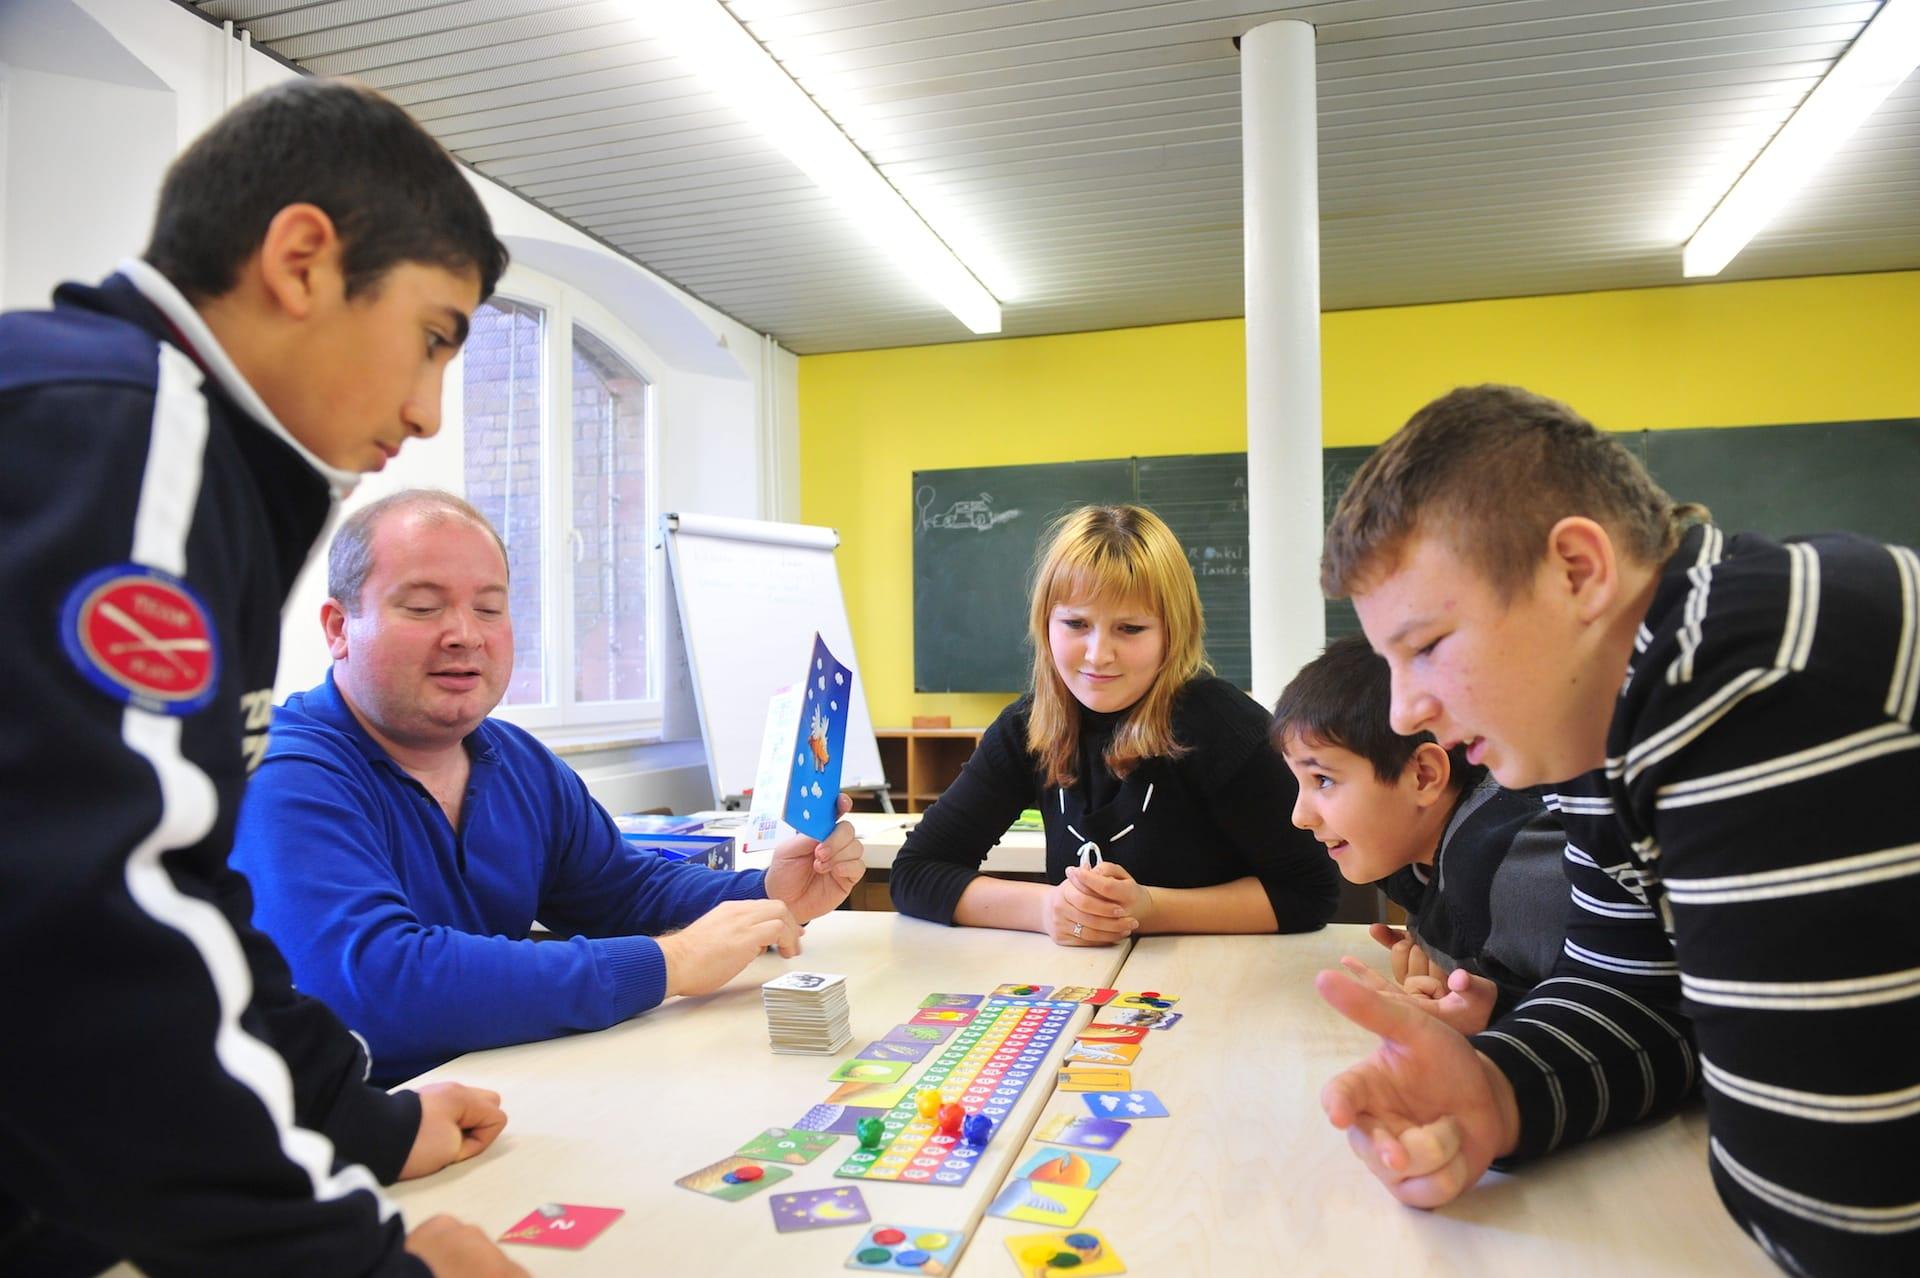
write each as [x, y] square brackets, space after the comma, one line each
[1280, 156]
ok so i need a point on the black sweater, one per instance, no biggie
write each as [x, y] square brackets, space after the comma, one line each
[1218, 813]
[1495, 901]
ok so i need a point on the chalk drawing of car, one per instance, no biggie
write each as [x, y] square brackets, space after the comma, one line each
[977, 514]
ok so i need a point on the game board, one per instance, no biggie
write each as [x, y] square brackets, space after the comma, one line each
[985, 1067]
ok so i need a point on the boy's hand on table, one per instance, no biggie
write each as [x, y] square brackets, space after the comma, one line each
[1409, 960]
[1460, 1000]
[454, 1249]
[456, 1122]
[713, 949]
[1425, 1112]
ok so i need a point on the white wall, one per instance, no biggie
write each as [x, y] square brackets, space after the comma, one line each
[96, 96]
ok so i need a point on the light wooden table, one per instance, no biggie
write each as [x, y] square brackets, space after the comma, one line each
[1246, 1176]
[611, 1119]
[1018, 852]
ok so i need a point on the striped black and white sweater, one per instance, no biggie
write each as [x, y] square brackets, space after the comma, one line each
[1746, 888]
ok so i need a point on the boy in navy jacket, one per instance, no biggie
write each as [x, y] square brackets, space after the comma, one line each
[176, 442]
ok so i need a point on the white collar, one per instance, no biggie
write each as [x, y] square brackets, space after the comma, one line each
[170, 302]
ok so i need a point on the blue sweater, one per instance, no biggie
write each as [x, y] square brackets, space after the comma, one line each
[413, 932]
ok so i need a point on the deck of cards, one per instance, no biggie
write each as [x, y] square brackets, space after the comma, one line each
[807, 1012]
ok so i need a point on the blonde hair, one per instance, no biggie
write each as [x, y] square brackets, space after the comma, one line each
[1113, 554]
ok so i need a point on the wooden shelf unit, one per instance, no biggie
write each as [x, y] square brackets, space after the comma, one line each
[920, 763]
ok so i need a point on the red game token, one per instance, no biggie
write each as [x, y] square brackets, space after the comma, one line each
[888, 1237]
[1149, 993]
[749, 1172]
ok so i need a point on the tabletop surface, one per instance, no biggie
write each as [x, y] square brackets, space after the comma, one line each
[611, 1119]
[1244, 1176]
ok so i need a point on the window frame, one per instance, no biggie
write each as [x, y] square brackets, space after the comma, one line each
[559, 719]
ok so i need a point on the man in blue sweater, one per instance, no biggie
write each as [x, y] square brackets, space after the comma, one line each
[400, 843]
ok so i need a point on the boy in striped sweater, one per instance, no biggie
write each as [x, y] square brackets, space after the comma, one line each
[1727, 723]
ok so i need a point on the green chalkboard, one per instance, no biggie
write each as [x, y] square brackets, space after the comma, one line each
[974, 536]
[1782, 481]
[975, 531]
[1203, 498]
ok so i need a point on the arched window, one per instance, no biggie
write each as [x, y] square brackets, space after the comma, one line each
[558, 439]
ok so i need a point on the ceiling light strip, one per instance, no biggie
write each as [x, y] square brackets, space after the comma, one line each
[1880, 57]
[735, 66]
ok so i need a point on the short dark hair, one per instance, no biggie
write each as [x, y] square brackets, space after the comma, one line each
[350, 557]
[1343, 697]
[1493, 469]
[393, 192]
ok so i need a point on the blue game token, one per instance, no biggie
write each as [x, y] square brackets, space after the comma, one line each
[911, 1259]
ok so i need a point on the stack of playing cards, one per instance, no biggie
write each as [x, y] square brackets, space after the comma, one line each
[807, 1012]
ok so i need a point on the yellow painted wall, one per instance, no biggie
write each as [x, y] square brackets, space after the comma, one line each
[1823, 349]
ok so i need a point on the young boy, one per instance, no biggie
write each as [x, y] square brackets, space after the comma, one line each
[1476, 867]
[176, 442]
[1737, 715]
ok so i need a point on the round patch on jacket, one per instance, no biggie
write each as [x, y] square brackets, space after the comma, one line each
[143, 637]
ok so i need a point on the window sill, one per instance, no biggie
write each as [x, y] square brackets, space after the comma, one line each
[572, 743]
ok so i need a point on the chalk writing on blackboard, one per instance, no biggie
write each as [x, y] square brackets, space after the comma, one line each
[974, 514]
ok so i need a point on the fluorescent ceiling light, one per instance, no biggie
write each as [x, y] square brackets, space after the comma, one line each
[745, 75]
[1880, 57]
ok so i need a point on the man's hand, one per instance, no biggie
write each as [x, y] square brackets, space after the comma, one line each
[1426, 1113]
[713, 949]
[1072, 914]
[456, 1122]
[812, 878]
[455, 1249]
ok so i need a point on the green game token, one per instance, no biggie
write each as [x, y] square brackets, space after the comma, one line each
[874, 1256]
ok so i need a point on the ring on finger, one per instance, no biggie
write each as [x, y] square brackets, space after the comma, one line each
[1077, 929]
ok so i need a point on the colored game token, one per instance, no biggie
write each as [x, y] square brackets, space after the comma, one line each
[744, 1175]
[870, 1131]
[928, 1102]
[951, 1116]
[1083, 1253]
[977, 1129]
[886, 1249]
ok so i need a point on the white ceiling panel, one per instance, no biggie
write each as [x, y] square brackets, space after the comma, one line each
[1467, 150]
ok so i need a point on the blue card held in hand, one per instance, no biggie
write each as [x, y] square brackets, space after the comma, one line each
[813, 793]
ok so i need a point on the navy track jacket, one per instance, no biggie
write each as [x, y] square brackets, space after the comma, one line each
[165, 1094]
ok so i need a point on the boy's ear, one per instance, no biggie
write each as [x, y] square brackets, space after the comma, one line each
[1583, 565]
[1431, 773]
[299, 261]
